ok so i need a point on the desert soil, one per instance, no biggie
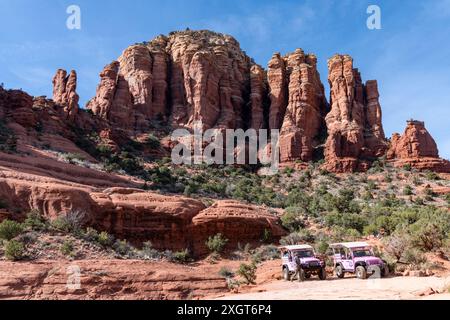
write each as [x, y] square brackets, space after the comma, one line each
[396, 288]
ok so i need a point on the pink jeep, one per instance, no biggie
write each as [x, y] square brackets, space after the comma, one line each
[357, 258]
[310, 264]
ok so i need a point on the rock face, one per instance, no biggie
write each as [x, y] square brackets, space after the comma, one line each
[17, 106]
[114, 204]
[185, 77]
[109, 280]
[355, 132]
[417, 148]
[298, 104]
[65, 92]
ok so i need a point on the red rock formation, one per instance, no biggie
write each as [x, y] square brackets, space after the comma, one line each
[257, 97]
[113, 204]
[110, 280]
[303, 118]
[64, 92]
[355, 133]
[417, 148]
[206, 76]
[277, 79]
[17, 106]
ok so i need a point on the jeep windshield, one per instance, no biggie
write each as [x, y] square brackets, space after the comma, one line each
[305, 254]
[362, 253]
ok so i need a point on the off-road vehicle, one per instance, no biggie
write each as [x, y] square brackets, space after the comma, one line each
[310, 264]
[357, 258]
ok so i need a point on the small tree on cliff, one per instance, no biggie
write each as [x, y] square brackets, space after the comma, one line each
[217, 243]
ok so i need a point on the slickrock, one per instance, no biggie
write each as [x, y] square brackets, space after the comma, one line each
[108, 280]
[417, 148]
[65, 92]
[355, 132]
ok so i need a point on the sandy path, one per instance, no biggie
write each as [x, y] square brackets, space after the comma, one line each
[400, 288]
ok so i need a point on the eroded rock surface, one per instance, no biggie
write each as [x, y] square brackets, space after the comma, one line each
[355, 132]
[417, 148]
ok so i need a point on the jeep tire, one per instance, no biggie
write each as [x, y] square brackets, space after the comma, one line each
[286, 274]
[302, 276]
[385, 272]
[323, 274]
[361, 273]
[339, 271]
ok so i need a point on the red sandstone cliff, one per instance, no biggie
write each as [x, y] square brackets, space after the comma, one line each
[355, 132]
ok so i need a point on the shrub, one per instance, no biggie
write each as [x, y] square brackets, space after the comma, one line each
[299, 237]
[396, 245]
[149, 252]
[428, 235]
[266, 253]
[72, 222]
[105, 239]
[432, 176]
[226, 273]
[407, 167]
[217, 243]
[10, 229]
[267, 236]
[322, 247]
[91, 235]
[35, 221]
[153, 142]
[181, 257]
[414, 257]
[293, 219]
[67, 248]
[8, 139]
[407, 191]
[122, 247]
[248, 272]
[14, 250]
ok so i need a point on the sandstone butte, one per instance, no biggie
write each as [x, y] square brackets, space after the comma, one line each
[174, 81]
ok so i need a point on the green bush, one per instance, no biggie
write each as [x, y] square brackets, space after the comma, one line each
[217, 243]
[247, 272]
[298, 237]
[181, 257]
[14, 250]
[67, 248]
[408, 191]
[8, 139]
[122, 247]
[10, 229]
[153, 142]
[35, 221]
[266, 253]
[226, 273]
[105, 239]
[71, 222]
[91, 235]
[293, 219]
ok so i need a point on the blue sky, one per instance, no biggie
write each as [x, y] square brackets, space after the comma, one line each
[409, 56]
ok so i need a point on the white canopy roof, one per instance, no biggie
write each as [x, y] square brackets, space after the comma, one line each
[297, 247]
[350, 245]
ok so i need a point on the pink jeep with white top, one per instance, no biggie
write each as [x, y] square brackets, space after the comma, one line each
[357, 258]
[310, 264]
